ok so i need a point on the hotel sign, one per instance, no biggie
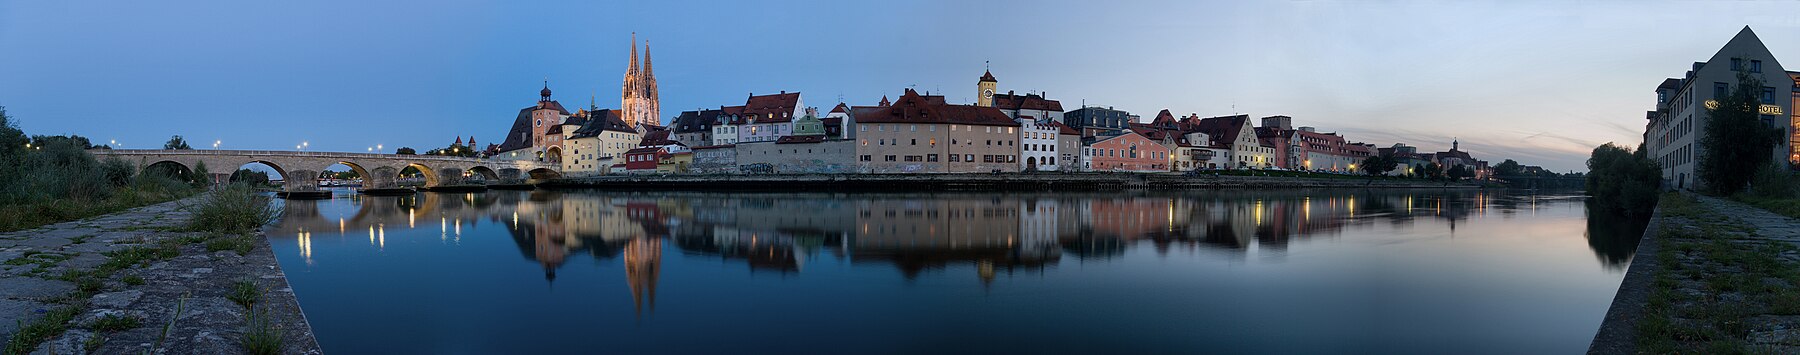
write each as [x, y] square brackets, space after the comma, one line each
[1765, 109]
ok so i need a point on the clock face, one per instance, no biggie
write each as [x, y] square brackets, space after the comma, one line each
[988, 93]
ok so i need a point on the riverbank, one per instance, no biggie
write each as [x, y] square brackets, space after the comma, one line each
[1710, 276]
[135, 281]
[983, 182]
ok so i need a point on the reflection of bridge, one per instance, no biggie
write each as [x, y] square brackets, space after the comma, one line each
[301, 169]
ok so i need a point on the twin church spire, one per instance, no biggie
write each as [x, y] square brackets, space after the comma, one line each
[638, 97]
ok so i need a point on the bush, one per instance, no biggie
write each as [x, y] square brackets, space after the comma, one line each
[118, 171]
[1773, 181]
[233, 209]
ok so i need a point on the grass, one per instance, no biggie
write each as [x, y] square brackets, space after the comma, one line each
[261, 335]
[1713, 277]
[20, 215]
[245, 293]
[31, 334]
[114, 323]
[232, 209]
[239, 243]
[133, 280]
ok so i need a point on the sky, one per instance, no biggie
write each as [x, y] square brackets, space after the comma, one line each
[1539, 82]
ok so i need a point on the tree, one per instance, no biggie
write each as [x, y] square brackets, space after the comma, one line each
[201, 177]
[455, 150]
[405, 151]
[1736, 141]
[1379, 164]
[252, 177]
[1623, 181]
[175, 142]
[1434, 171]
[1460, 172]
[1508, 168]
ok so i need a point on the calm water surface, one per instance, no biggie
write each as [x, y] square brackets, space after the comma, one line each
[1207, 271]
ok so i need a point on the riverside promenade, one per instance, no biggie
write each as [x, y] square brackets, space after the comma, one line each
[985, 182]
[133, 282]
[1710, 276]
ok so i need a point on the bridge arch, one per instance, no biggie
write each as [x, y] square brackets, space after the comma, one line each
[171, 168]
[553, 155]
[279, 171]
[487, 174]
[544, 174]
[430, 174]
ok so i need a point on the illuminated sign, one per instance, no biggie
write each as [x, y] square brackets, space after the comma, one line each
[1764, 109]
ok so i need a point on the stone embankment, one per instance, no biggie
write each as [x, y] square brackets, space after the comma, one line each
[133, 282]
[984, 182]
[1710, 276]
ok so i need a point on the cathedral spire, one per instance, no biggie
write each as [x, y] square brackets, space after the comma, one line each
[634, 66]
[647, 72]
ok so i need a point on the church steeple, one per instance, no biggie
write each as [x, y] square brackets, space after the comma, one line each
[648, 73]
[638, 97]
[634, 66]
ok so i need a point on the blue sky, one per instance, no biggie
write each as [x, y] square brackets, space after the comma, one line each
[1540, 82]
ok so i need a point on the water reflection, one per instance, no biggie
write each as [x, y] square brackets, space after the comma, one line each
[1082, 272]
[915, 234]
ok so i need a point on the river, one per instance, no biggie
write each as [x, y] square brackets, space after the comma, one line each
[1266, 271]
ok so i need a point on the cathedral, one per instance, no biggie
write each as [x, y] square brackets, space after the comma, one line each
[639, 94]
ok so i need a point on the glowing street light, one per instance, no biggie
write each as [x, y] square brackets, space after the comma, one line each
[216, 144]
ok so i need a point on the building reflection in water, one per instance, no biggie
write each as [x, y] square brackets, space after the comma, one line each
[994, 235]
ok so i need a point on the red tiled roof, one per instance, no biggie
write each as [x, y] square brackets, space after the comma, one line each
[1064, 129]
[915, 108]
[1165, 119]
[1223, 129]
[771, 108]
[841, 108]
[1009, 101]
[988, 76]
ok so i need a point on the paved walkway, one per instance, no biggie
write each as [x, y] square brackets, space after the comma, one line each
[38, 265]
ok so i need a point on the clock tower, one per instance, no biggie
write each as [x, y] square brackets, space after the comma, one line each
[985, 89]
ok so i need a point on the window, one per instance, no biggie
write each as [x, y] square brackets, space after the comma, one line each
[987, 158]
[969, 158]
[1719, 90]
[955, 158]
[913, 128]
[915, 141]
[1768, 95]
[932, 157]
[863, 129]
[890, 158]
[867, 157]
[1737, 64]
[1755, 66]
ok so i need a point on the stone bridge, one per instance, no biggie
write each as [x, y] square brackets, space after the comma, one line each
[300, 170]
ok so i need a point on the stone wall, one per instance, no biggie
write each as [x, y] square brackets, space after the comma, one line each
[828, 157]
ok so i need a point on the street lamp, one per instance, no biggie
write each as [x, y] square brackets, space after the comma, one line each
[216, 144]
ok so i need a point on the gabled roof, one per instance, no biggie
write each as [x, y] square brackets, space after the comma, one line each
[695, 121]
[1064, 129]
[841, 108]
[656, 136]
[915, 108]
[1223, 129]
[772, 107]
[519, 137]
[602, 121]
[1009, 101]
[988, 76]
